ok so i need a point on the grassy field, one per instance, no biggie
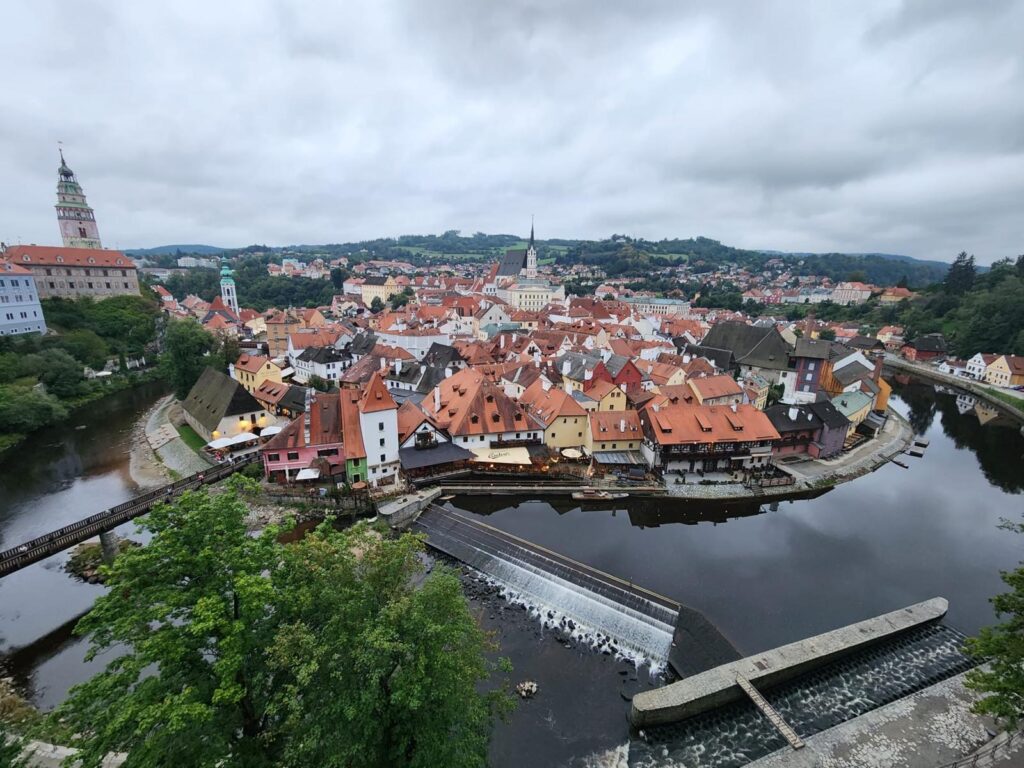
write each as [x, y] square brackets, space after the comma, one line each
[191, 438]
[1006, 397]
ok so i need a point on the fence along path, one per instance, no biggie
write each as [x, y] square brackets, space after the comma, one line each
[51, 543]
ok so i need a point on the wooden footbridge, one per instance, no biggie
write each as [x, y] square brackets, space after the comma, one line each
[41, 547]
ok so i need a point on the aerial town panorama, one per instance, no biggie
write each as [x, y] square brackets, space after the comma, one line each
[576, 486]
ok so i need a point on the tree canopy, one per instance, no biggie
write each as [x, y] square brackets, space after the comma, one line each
[238, 650]
[1001, 647]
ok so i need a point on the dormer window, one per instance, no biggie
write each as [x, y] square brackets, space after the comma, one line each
[92, 260]
[26, 257]
[474, 418]
[496, 418]
[60, 259]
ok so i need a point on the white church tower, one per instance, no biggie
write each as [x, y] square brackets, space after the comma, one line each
[531, 256]
[227, 289]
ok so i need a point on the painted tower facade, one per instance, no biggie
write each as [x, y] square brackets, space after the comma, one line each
[531, 257]
[77, 222]
[227, 288]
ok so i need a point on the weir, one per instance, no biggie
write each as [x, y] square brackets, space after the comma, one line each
[627, 618]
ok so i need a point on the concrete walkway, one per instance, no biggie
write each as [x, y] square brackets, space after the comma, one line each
[165, 441]
[892, 440]
[933, 728]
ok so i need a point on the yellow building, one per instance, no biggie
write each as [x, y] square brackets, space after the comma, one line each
[382, 288]
[1005, 371]
[608, 396]
[252, 370]
[613, 431]
[564, 419]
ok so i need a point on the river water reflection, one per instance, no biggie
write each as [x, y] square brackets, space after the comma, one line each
[764, 577]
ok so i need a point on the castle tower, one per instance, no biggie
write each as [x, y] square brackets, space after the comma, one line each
[531, 256]
[77, 223]
[227, 288]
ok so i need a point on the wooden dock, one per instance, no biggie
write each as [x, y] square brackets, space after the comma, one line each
[769, 711]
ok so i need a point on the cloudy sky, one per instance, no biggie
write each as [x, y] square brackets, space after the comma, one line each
[869, 126]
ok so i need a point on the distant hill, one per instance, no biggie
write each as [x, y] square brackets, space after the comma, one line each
[171, 250]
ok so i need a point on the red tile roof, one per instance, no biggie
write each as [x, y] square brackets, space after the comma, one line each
[681, 423]
[49, 256]
[376, 396]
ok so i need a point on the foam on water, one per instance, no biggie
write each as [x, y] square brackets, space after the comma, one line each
[738, 733]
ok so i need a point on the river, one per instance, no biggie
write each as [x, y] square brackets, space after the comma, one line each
[764, 577]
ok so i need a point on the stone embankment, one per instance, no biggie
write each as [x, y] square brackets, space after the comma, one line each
[974, 388]
[157, 450]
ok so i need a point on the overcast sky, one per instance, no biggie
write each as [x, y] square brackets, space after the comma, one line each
[868, 126]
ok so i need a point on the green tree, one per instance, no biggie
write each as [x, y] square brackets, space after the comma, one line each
[1001, 647]
[62, 374]
[241, 651]
[186, 344]
[319, 383]
[960, 277]
[398, 301]
[23, 409]
[827, 334]
[376, 305]
[85, 346]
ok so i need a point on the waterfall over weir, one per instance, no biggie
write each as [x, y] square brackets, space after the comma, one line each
[596, 607]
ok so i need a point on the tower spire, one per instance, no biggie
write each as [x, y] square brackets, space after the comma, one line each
[74, 216]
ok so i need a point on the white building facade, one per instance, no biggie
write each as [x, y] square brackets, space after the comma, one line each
[20, 311]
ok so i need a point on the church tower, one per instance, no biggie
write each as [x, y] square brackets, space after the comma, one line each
[227, 288]
[531, 256]
[77, 223]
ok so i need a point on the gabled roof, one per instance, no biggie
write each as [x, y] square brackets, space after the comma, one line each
[324, 420]
[751, 345]
[715, 386]
[932, 342]
[792, 418]
[251, 363]
[469, 403]
[376, 396]
[322, 355]
[828, 414]
[410, 418]
[550, 403]
[615, 425]
[216, 396]
[512, 263]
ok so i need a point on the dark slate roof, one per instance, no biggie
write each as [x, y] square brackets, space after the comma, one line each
[323, 355]
[932, 342]
[512, 262]
[864, 342]
[442, 453]
[362, 343]
[723, 359]
[816, 349]
[294, 399]
[216, 396]
[374, 280]
[828, 413]
[761, 347]
[781, 417]
[615, 364]
[851, 372]
[578, 364]
[442, 355]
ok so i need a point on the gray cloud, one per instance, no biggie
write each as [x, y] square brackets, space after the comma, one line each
[878, 126]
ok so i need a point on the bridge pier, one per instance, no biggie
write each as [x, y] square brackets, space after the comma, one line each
[108, 545]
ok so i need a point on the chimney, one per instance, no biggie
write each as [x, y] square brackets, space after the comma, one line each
[398, 367]
[622, 425]
[655, 407]
[447, 372]
[733, 406]
[588, 374]
[793, 413]
[545, 384]
[383, 364]
[502, 342]
[437, 399]
[536, 358]
[565, 367]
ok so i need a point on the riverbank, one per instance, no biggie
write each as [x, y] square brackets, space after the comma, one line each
[158, 453]
[100, 390]
[997, 399]
[810, 476]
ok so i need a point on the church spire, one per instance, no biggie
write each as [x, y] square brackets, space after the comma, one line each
[531, 255]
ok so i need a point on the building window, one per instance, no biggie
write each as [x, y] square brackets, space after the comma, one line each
[293, 455]
[383, 458]
[382, 442]
[380, 426]
[273, 457]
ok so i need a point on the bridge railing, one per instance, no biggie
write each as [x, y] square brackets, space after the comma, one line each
[42, 546]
